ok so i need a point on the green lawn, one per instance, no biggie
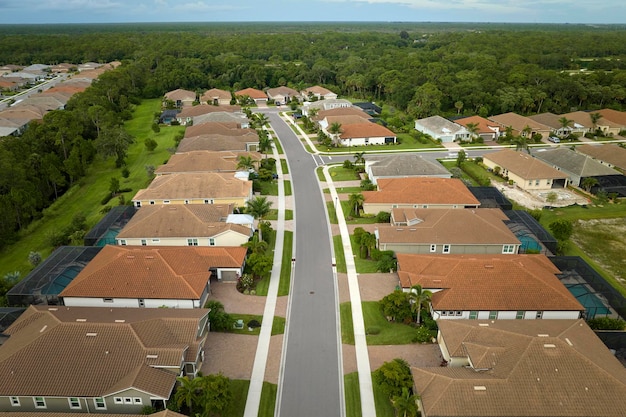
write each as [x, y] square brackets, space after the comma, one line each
[332, 213]
[348, 211]
[278, 326]
[285, 267]
[239, 389]
[464, 176]
[340, 257]
[339, 173]
[287, 187]
[85, 196]
[408, 143]
[279, 147]
[383, 405]
[268, 400]
[344, 190]
[352, 394]
[320, 174]
[347, 326]
[273, 215]
[267, 187]
[363, 266]
[284, 166]
[390, 333]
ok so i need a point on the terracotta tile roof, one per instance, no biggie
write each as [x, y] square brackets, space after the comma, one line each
[523, 165]
[253, 93]
[341, 111]
[215, 93]
[421, 190]
[205, 161]
[194, 111]
[448, 226]
[152, 273]
[613, 154]
[216, 142]
[615, 116]
[483, 124]
[518, 122]
[195, 185]
[365, 130]
[91, 352]
[180, 94]
[181, 220]
[219, 128]
[527, 368]
[488, 282]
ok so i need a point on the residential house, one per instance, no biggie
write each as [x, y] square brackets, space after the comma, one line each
[283, 95]
[486, 129]
[368, 107]
[553, 121]
[216, 97]
[489, 286]
[447, 231]
[153, 277]
[576, 165]
[21, 115]
[28, 76]
[8, 85]
[98, 360]
[9, 127]
[324, 105]
[231, 128]
[613, 156]
[184, 225]
[521, 125]
[344, 119]
[339, 112]
[526, 172]
[555, 368]
[205, 161]
[214, 142]
[419, 192]
[258, 96]
[180, 98]
[317, 93]
[442, 129]
[403, 166]
[186, 115]
[63, 68]
[238, 118]
[363, 133]
[583, 118]
[195, 188]
[615, 116]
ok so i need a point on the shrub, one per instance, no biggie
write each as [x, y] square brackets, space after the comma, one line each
[606, 323]
[150, 144]
[347, 164]
[383, 217]
[422, 335]
[393, 376]
[372, 330]
[428, 321]
[254, 324]
[125, 172]
[34, 258]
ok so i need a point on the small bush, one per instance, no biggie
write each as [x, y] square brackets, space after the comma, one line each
[372, 330]
[422, 335]
[253, 324]
[606, 323]
[383, 217]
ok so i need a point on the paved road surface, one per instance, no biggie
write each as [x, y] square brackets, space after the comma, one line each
[312, 379]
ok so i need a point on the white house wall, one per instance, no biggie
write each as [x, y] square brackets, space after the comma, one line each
[510, 315]
[129, 302]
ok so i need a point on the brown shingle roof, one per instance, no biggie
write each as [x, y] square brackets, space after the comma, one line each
[346, 119]
[584, 118]
[180, 94]
[523, 165]
[613, 154]
[50, 353]
[488, 282]
[214, 93]
[181, 220]
[152, 273]
[518, 122]
[437, 226]
[195, 185]
[527, 368]
[215, 142]
[483, 124]
[365, 130]
[341, 111]
[205, 161]
[218, 128]
[194, 111]
[421, 191]
[615, 116]
[253, 93]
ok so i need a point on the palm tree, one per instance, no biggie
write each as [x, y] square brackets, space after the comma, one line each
[595, 117]
[265, 142]
[313, 112]
[256, 245]
[356, 200]
[368, 240]
[189, 393]
[472, 128]
[259, 207]
[359, 158]
[262, 119]
[335, 130]
[588, 183]
[419, 298]
[565, 124]
[245, 163]
[405, 404]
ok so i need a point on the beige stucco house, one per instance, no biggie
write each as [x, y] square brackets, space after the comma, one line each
[525, 171]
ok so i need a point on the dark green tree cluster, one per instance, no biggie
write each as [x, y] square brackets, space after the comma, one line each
[206, 395]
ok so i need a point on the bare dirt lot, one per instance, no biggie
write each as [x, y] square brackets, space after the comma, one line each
[539, 199]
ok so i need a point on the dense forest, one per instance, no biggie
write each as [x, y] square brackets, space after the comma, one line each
[415, 70]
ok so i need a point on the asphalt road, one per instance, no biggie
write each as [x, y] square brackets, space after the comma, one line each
[312, 379]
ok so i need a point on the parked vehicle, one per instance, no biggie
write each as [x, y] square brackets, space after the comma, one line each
[554, 139]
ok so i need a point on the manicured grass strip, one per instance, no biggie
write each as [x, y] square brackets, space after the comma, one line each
[279, 147]
[268, 400]
[284, 166]
[273, 215]
[332, 214]
[389, 333]
[348, 211]
[320, 174]
[287, 187]
[363, 266]
[340, 257]
[239, 388]
[464, 175]
[85, 196]
[349, 190]
[347, 326]
[340, 173]
[285, 267]
[278, 326]
[268, 187]
[408, 143]
[352, 394]
[383, 404]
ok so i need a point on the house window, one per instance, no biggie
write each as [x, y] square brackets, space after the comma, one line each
[520, 315]
[15, 401]
[186, 201]
[40, 402]
[394, 206]
[144, 242]
[138, 204]
[137, 400]
[455, 206]
[166, 201]
[74, 402]
[128, 400]
[493, 315]
[118, 400]
[446, 248]
[539, 315]
[530, 183]
[508, 249]
[473, 315]
[99, 403]
[206, 201]
[192, 242]
[152, 203]
[433, 248]
[156, 240]
[536, 182]
[211, 241]
[123, 242]
[107, 300]
[425, 206]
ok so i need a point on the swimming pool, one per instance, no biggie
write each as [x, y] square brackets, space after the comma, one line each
[593, 305]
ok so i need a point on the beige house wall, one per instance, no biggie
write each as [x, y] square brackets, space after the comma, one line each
[375, 208]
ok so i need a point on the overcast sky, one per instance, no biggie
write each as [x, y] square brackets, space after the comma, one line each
[519, 11]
